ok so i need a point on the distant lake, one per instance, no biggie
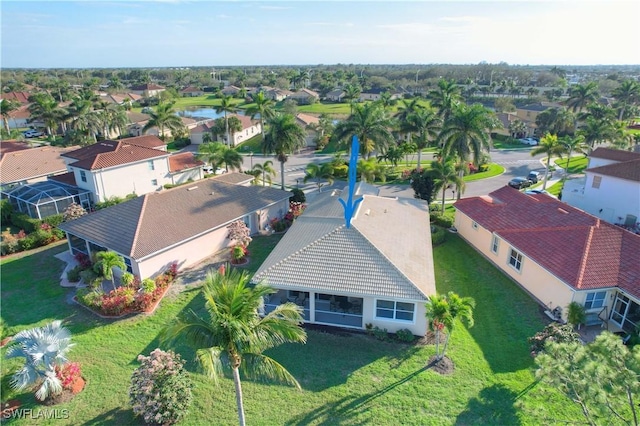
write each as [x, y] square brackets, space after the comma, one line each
[199, 112]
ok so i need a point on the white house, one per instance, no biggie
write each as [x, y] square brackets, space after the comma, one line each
[250, 128]
[377, 271]
[304, 96]
[183, 225]
[307, 121]
[147, 90]
[611, 188]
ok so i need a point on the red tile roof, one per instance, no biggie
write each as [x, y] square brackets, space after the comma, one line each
[11, 146]
[614, 154]
[628, 170]
[21, 112]
[69, 178]
[183, 161]
[18, 166]
[145, 141]
[190, 89]
[578, 248]
[108, 153]
[147, 86]
[22, 97]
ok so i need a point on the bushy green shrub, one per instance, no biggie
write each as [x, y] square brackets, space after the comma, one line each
[380, 333]
[88, 276]
[392, 174]
[148, 285]
[6, 209]
[73, 275]
[554, 332]
[160, 390]
[341, 171]
[405, 335]
[442, 221]
[127, 279]
[90, 298]
[53, 220]
[24, 221]
[438, 235]
[27, 243]
[298, 196]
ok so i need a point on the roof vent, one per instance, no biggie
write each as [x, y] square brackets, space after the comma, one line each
[368, 212]
[192, 188]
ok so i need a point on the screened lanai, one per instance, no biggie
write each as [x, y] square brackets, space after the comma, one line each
[42, 199]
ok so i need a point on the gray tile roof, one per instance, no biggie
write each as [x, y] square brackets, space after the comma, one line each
[386, 252]
[156, 221]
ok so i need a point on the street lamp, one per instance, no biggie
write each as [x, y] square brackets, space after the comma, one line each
[251, 158]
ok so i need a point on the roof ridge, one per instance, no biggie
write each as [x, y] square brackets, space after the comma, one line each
[547, 228]
[134, 242]
[585, 256]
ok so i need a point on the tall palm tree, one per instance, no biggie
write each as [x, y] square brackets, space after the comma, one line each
[226, 107]
[230, 158]
[262, 106]
[444, 173]
[114, 117]
[319, 172]
[551, 146]
[234, 335]
[446, 97]
[573, 144]
[467, 133]
[107, 260]
[442, 312]
[43, 107]
[596, 131]
[426, 123]
[163, 116]
[284, 137]
[234, 126]
[266, 171]
[626, 95]
[372, 126]
[7, 106]
[406, 109]
[210, 152]
[351, 94]
[559, 121]
[582, 95]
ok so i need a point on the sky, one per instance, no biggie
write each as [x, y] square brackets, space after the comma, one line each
[181, 33]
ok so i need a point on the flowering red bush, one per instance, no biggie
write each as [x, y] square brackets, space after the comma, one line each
[68, 373]
[83, 260]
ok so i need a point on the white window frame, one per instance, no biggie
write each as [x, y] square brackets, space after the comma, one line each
[518, 259]
[154, 182]
[495, 244]
[395, 311]
[83, 175]
[597, 180]
[594, 298]
[151, 165]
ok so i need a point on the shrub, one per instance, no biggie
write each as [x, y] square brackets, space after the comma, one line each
[73, 275]
[405, 335]
[438, 235]
[380, 333]
[24, 221]
[73, 211]
[83, 260]
[554, 332]
[239, 232]
[53, 220]
[148, 285]
[127, 279]
[90, 298]
[298, 196]
[392, 174]
[160, 389]
[341, 171]
[42, 237]
[68, 373]
[6, 209]
[442, 221]
[27, 243]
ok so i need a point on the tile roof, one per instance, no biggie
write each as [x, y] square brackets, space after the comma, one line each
[145, 141]
[628, 170]
[190, 89]
[147, 224]
[578, 248]
[32, 163]
[13, 145]
[22, 97]
[247, 122]
[21, 112]
[109, 153]
[183, 161]
[307, 119]
[147, 86]
[137, 117]
[234, 178]
[68, 178]
[614, 154]
[378, 255]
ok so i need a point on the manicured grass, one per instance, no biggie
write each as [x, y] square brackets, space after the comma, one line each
[341, 110]
[556, 188]
[576, 164]
[494, 170]
[346, 379]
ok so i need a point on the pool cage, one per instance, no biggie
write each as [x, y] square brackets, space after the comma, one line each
[43, 199]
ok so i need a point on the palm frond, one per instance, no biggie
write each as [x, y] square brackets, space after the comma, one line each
[260, 367]
[211, 361]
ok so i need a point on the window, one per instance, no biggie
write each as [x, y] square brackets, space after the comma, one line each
[83, 175]
[515, 260]
[154, 182]
[596, 182]
[127, 262]
[474, 225]
[595, 300]
[401, 311]
[151, 165]
[495, 243]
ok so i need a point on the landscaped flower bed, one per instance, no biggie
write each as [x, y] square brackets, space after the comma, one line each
[130, 298]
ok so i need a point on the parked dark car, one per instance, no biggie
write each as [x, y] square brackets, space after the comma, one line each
[519, 183]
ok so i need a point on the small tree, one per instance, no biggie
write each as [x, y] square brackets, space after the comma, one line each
[576, 314]
[422, 184]
[240, 233]
[74, 211]
[160, 389]
[107, 260]
[442, 311]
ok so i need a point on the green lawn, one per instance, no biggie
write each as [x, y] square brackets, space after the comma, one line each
[577, 164]
[346, 379]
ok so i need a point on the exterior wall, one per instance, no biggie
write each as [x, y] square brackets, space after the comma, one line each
[184, 176]
[121, 181]
[597, 162]
[196, 138]
[369, 97]
[245, 134]
[418, 327]
[17, 123]
[527, 114]
[537, 281]
[611, 202]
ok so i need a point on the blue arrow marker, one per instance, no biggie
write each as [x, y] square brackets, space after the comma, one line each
[351, 205]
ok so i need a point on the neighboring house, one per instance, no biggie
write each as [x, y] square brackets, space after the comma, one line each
[379, 271]
[250, 128]
[304, 97]
[335, 95]
[21, 97]
[183, 225]
[376, 94]
[506, 118]
[19, 118]
[611, 188]
[147, 90]
[307, 120]
[277, 94]
[120, 99]
[135, 165]
[557, 253]
[191, 92]
[137, 121]
[230, 90]
[529, 113]
[23, 166]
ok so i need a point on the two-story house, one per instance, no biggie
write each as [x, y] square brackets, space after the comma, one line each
[250, 128]
[148, 90]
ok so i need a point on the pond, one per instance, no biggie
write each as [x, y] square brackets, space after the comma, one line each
[202, 113]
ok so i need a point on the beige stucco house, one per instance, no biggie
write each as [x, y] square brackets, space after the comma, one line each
[147, 90]
[378, 271]
[307, 122]
[557, 253]
[183, 225]
[250, 128]
[304, 96]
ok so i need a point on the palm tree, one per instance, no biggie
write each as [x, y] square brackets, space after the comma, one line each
[284, 137]
[573, 144]
[351, 94]
[467, 133]
[444, 173]
[426, 123]
[517, 128]
[230, 158]
[226, 107]
[370, 170]
[442, 312]
[319, 172]
[559, 121]
[596, 131]
[446, 97]
[372, 126]
[262, 106]
[210, 152]
[163, 115]
[234, 335]
[407, 108]
[626, 95]
[582, 95]
[106, 261]
[265, 170]
[7, 106]
[43, 107]
[551, 146]
[44, 349]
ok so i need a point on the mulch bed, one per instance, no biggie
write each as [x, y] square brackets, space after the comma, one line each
[444, 366]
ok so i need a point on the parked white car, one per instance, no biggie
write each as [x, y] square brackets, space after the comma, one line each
[32, 133]
[529, 141]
